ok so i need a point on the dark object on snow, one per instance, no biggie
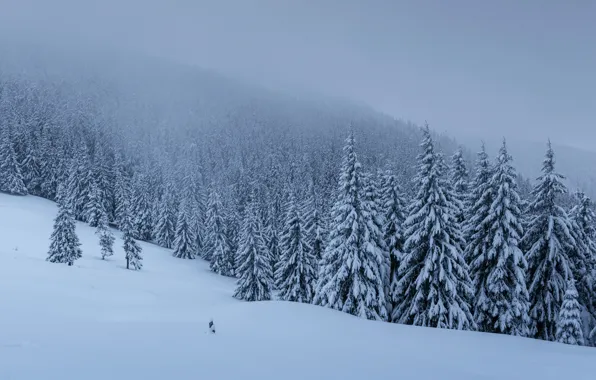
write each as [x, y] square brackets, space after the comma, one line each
[211, 327]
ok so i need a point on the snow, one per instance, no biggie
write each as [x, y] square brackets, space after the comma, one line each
[98, 321]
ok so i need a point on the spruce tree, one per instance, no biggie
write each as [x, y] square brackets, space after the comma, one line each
[11, 178]
[295, 274]
[502, 301]
[433, 276]
[351, 272]
[314, 225]
[583, 222]
[95, 206]
[394, 206]
[132, 249]
[65, 245]
[460, 182]
[164, 226]
[547, 242]
[253, 264]
[106, 238]
[478, 209]
[142, 215]
[569, 321]
[184, 241]
[216, 241]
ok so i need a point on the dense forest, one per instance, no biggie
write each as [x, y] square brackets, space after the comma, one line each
[304, 201]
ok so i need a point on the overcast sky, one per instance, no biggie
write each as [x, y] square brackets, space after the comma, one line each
[523, 68]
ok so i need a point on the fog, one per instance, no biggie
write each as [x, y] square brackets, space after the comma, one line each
[519, 69]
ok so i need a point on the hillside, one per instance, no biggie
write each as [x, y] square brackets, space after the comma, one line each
[96, 321]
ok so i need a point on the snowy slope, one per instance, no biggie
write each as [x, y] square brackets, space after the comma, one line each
[97, 320]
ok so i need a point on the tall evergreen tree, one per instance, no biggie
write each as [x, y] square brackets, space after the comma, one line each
[65, 245]
[253, 264]
[395, 206]
[106, 238]
[547, 242]
[433, 276]
[460, 182]
[132, 249]
[583, 222]
[95, 206]
[569, 321]
[142, 213]
[295, 274]
[351, 273]
[216, 241]
[164, 226]
[478, 209]
[498, 274]
[11, 178]
[184, 242]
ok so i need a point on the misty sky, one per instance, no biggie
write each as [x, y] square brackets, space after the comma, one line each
[520, 68]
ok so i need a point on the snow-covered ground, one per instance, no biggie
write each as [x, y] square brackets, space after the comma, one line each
[98, 321]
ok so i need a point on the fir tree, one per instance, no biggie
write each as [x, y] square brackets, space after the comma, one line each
[216, 242]
[164, 226]
[394, 205]
[569, 321]
[547, 242]
[314, 226]
[95, 206]
[132, 249]
[351, 272]
[253, 268]
[106, 238]
[65, 245]
[459, 180]
[433, 276]
[142, 220]
[295, 274]
[184, 242]
[478, 209]
[11, 178]
[498, 274]
[583, 222]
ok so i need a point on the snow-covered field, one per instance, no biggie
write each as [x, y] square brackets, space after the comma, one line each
[98, 321]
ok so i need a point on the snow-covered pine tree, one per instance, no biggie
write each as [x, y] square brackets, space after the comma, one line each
[132, 249]
[394, 206]
[433, 276]
[351, 271]
[184, 240]
[216, 241]
[569, 321]
[11, 178]
[583, 221]
[314, 227]
[478, 209]
[31, 169]
[253, 264]
[142, 221]
[106, 238]
[460, 182]
[65, 245]
[81, 181]
[502, 301]
[547, 242]
[375, 220]
[295, 275]
[164, 226]
[95, 206]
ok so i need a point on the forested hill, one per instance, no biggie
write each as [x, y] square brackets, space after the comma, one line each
[173, 121]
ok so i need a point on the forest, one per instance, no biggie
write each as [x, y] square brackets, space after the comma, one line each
[326, 204]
